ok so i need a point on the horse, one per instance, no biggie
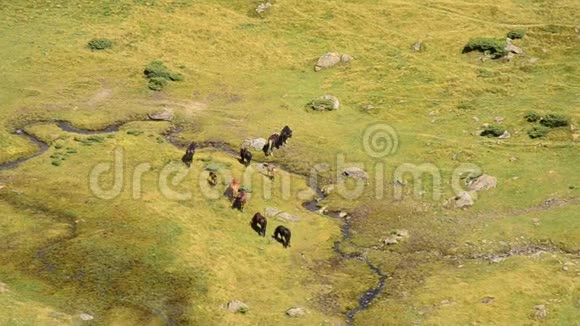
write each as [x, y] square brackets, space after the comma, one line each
[285, 134]
[273, 141]
[282, 234]
[187, 158]
[245, 156]
[259, 223]
[212, 179]
[240, 201]
[232, 189]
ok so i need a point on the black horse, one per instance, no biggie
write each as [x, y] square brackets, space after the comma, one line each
[188, 156]
[259, 223]
[285, 134]
[282, 234]
[240, 201]
[245, 156]
[273, 141]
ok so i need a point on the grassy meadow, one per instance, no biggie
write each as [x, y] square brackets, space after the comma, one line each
[147, 258]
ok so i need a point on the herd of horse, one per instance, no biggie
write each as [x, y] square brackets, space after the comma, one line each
[239, 196]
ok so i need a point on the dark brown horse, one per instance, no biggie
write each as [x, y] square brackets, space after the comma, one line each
[272, 142]
[232, 189]
[259, 224]
[282, 234]
[212, 178]
[187, 158]
[285, 134]
[245, 156]
[240, 201]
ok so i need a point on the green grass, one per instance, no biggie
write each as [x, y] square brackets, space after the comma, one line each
[247, 77]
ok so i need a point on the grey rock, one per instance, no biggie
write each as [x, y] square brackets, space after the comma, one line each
[509, 47]
[390, 240]
[346, 58]
[237, 306]
[328, 189]
[533, 60]
[164, 115]
[296, 312]
[505, 135]
[463, 200]
[327, 60]
[325, 103]
[271, 212]
[86, 317]
[487, 300]
[404, 234]
[498, 119]
[263, 7]
[287, 217]
[355, 172]
[483, 182]
[256, 143]
[541, 311]
[418, 46]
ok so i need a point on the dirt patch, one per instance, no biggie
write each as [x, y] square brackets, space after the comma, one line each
[100, 96]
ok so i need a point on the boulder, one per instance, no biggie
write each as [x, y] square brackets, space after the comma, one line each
[287, 217]
[263, 7]
[164, 115]
[256, 143]
[463, 200]
[390, 240]
[483, 182]
[418, 46]
[328, 189]
[296, 312]
[509, 47]
[327, 60]
[403, 234]
[237, 306]
[86, 317]
[355, 172]
[506, 134]
[346, 58]
[325, 103]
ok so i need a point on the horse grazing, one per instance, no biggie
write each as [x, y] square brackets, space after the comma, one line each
[232, 189]
[245, 156]
[188, 156]
[273, 141]
[240, 201]
[212, 179]
[259, 223]
[285, 134]
[282, 234]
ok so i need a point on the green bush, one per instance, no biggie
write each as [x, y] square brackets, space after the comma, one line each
[158, 75]
[157, 83]
[538, 131]
[493, 130]
[134, 132]
[495, 47]
[532, 116]
[100, 44]
[516, 34]
[555, 120]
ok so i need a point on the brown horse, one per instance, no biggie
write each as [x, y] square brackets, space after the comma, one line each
[240, 201]
[272, 142]
[232, 189]
[259, 224]
[245, 156]
[282, 234]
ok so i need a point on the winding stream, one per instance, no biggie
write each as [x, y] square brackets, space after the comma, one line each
[171, 136]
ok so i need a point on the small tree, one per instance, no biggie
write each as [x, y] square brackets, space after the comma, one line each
[97, 44]
[516, 34]
[495, 47]
[538, 131]
[532, 116]
[493, 130]
[552, 120]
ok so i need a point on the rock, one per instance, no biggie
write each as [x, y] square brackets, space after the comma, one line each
[263, 7]
[476, 119]
[390, 240]
[355, 172]
[487, 300]
[368, 107]
[271, 212]
[463, 200]
[256, 143]
[342, 214]
[346, 58]
[237, 306]
[287, 217]
[513, 159]
[509, 47]
[496, 260]
[483, 182]
[541, 311]
[533, 60]
[164, 115]
[418, 46]
[86, 317]
[328, 189]
[505, 135]
[507, 58]
[536, 221]
[296, 312]
[404, 234]
[325, 103]
[447, 302]
[498, 119]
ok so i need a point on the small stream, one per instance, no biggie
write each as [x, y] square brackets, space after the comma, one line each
[172, 137]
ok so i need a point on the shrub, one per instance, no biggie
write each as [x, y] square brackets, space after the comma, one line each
[100, 44]
[158, 75]
[516, 34]
[538, 131]
[555, 120]
[495, 47]
[493, 130]
[157, 83]
[532, 116]
[134, 132]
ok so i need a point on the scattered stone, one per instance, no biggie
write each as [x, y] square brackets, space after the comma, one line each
[497, 260]
[325, 103]
[86, 317]
[549, 202]
[237, 306]
[505, 135]
[509, 47]
[390, 240]
[296, 312]
[541, 311]
[368, 107]
[287, 217]
[355, 172]
[463, 200]
[418, 46]
[342, 214]
[447, 302]
[263, 7]
[536, 221]
[483, 182]
[164, 115]
[328, 189]
[487, 300]
[271, 212]
[256, 143]
[565, 268]
[404, 234]
[330, 59]
[323, 210]
[513, 159]
[498, 119]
